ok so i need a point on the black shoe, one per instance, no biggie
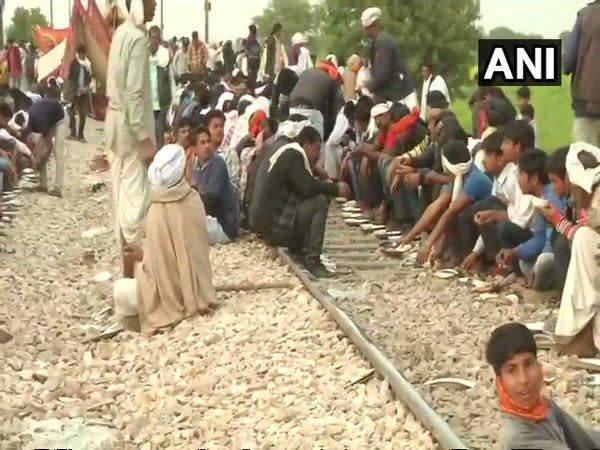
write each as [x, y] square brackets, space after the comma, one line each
[317, 269]
[71, 137]
[82, 140]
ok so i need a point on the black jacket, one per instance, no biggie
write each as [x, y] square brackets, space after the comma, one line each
[390, 79]
[74, 75]
[278, 194]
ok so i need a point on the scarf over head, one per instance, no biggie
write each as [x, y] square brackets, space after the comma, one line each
[584, 178]
[168, 166]
[135, 14]
[290, 147]
[459, 170]
[536, 413]
[291, 129]
[13, 123]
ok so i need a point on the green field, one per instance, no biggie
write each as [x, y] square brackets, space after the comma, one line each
[553, 114]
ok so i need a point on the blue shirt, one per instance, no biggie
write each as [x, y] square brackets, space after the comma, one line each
[542, 231]
[218, 194]
[476, 185]
[44, 115]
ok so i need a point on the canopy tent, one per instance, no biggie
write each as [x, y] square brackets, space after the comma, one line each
[50, 62]
[47, 38]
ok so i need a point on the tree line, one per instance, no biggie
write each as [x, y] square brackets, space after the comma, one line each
[442, 33]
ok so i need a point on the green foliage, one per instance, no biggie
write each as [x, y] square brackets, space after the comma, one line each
[507, 33]
[441, 32]
[553, 115]
[294, 15]
[564, 37]
[23, 22]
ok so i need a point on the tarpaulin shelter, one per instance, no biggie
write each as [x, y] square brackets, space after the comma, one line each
[47, 38]
[88, 26]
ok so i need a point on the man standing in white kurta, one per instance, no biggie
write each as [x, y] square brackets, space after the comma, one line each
[129, 125]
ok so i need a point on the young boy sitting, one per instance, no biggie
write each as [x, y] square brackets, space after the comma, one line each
[186, 137]
[528, 114]
[523, 99]
[515, 210]
[504, 185]
[529, 418]
[523, 245]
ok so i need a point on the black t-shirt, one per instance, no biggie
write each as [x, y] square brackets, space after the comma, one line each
[44, 115]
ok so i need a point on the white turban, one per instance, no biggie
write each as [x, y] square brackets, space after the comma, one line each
[459, 170]
[224, 98]
[298, 38]
[369, 16]
[168, 166]
[135, 14]
[261, 103]
[291, 129]
[578, 175]
[380, 109]
[13, 123]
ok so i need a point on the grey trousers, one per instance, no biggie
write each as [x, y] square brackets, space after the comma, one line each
[309, 226]
[540, 275]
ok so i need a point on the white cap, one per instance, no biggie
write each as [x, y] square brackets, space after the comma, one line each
[369, 16]
[299, 38]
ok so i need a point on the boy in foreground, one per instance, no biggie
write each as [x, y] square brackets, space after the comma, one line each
[530, 420]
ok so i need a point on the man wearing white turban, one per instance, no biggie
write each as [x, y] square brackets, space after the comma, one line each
[390, 79]
[578, 324]
[173, 280]
[300, 60]
[129, 125]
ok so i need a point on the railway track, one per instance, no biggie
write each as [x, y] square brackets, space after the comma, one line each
[414, 328]
[356, 258]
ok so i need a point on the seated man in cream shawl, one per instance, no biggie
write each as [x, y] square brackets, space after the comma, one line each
[173, 280]
[578, 324]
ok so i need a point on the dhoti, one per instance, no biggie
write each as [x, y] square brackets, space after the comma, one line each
[131, 193]
[580, 302]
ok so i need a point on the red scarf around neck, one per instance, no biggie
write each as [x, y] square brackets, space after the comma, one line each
[536, 413]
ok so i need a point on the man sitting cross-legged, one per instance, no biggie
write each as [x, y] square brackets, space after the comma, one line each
[289, 205]
[529, 418]
[467, 185]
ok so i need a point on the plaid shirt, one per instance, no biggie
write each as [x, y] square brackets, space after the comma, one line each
[198, 54]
